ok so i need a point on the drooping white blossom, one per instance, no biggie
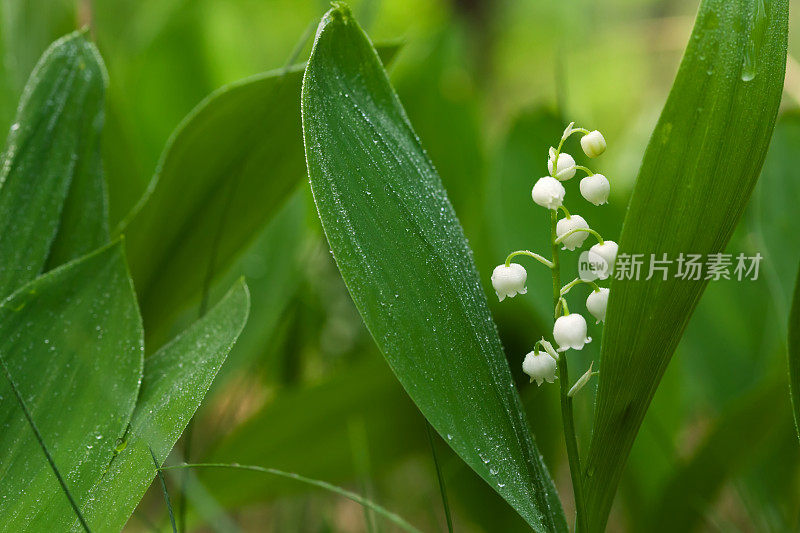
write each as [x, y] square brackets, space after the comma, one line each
[509, 280]
[548, 192]
[607, 252]
[540, 366]
[569, 331]
[567, 224]
[565, 169]
[593, 143]
[595, 189]
[596, 304]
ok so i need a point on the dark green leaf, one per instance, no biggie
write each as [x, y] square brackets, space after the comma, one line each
[53, 143]
[225, 172]
[697, 175]
[72, 340]
[408, 267]
[176, 378]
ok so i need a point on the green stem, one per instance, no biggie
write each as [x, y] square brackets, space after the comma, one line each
[577, 281]
[588, 171]
[528, 253]
[392, 517]
[559, 240]
[564, 209]
[567, 414]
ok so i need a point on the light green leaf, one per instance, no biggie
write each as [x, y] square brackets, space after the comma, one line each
[176, 378]
[697, 175]
[226, 171]
[408, 267]
[52, 144]
[72, 340]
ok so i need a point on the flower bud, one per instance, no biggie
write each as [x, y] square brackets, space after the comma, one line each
[570, 332]
[548, 192]
[549, 348]
[540, 367]
[565, 168]
[595, 188]
[565, 225]
[596, 304]
[608, 253]
[593, 144]
[509, 280]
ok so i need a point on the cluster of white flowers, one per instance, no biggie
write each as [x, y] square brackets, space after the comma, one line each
[571, 231]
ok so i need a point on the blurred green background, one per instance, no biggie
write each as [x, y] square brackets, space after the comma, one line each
[488, 85]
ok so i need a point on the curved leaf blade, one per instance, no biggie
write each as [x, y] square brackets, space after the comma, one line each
[409, 269]
[176, 379]
[227, 169]
[51, 146]
[697, 174]
[72, 340]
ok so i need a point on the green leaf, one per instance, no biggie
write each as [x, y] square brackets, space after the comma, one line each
[794, 354]
[696, 177]
[176, 378]
[408, 267]
[52, 144]
[778, 193]
[72, 340]
[226, 171]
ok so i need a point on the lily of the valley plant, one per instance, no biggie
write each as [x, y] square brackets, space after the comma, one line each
[569, 329]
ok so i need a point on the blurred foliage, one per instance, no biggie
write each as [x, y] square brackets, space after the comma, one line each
[478, 80]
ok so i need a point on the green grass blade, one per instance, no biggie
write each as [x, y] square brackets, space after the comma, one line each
[392, 517]
[164, 491]
[53, 143]
[696, 177]
[176, 378]
[794, 354]
[72, 341]
[409, 269]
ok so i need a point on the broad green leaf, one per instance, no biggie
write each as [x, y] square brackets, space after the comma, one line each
[226, 171]
[52, 144]
[408, 267]
[794, 354]
[176, 378]
[72, 340]
[696, 177]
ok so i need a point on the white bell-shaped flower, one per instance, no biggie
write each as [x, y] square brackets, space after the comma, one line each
[596, 304]
[596, 188]
[509, 280]
[593, 143]
[565, 169]
[607, 252]
[565, 225]
[548, 192]
[570, 332]
[540, 366]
